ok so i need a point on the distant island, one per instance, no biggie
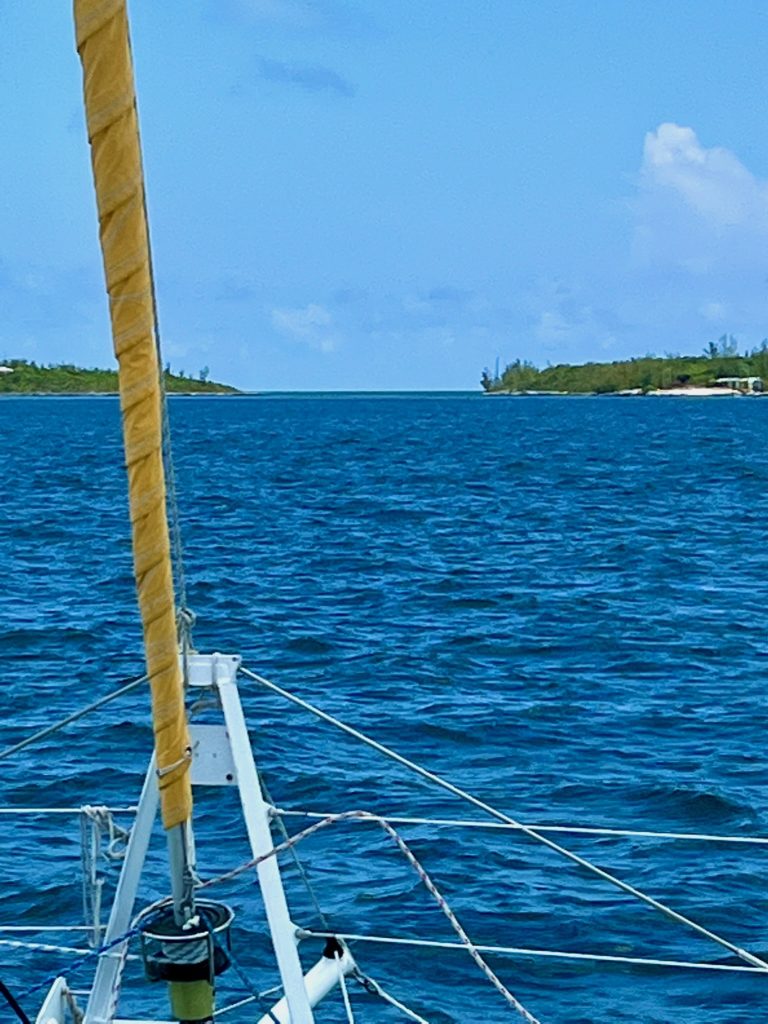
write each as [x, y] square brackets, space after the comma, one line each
[22, 377]
[720, 367]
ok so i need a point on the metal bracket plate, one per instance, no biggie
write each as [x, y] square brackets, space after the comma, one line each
[210, 669]
[212, 761]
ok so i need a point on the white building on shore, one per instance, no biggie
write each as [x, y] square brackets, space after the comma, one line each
[747, 385]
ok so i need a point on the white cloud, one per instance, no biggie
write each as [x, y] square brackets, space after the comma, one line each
[312, 324]
[712, 182]
[698, 208]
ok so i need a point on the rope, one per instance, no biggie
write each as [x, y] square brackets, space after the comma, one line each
[396, 940]
[185, 617]
[501, 816]
[92, 882]
[235, 1006]
[92, 954]
[173, 504]
[423, 876]
[239, 971]
[581, 830]
[63, 810]
[51, 729]
[39, 928]
[251, 989]
[94, 822]
[365, 980]
[11, 1000]
[277, 816]
[41, 947]
[372, 986]
[465, 944]
[257, 997]
[344, 992]
[45, 947]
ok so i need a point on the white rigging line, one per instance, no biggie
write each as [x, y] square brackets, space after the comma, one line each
[50, 729]
[532, 833]
[34, 929]
[344, 992]
[42, 947]
[585, 830]
[63, 810]
[568, 829]
[46, 947]
[371, 985]
[236, 1006]
[397, 940]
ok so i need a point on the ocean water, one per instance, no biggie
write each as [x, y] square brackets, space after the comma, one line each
[559, 604]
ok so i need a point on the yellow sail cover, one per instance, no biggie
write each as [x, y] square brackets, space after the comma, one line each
[110, 103]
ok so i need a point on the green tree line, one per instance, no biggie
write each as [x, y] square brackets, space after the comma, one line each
[65, 379]
[719, 359]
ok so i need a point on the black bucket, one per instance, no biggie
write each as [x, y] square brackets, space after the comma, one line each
[198, 952]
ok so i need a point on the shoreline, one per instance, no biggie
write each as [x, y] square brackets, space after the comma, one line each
[632, 393]
[116, 394]
[669, 393]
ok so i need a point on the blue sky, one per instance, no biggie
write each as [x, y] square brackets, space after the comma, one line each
[391, 194]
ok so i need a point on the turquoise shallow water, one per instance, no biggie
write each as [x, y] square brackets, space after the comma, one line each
[558, 603]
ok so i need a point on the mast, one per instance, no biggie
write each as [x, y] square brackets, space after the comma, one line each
[110, 103]
[181, 948]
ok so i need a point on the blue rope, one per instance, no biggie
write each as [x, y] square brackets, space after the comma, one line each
[75, 966]
[71, 968]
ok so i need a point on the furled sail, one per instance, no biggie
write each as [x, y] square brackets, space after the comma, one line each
[110, 103]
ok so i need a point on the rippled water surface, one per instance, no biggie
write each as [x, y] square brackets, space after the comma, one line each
[560, 604]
